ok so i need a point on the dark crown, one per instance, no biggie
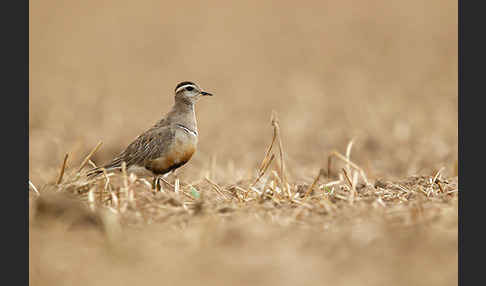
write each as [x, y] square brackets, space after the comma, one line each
[184, 83]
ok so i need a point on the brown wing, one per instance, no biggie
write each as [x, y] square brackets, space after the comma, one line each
[150, 145]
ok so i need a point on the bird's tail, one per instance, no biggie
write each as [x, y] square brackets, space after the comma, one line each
[93, 173]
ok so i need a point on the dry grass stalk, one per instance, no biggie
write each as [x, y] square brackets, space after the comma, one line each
[276, 177]
[436, 181]
[131, 197]
[341, 197]
[107, 184]
[361, 171]
[115, 200]
[403, 188]
[92, 164]
[353, 193]
[267, 159]
[125, 176]
[347, 178]
[216, 188]
[440, 186]
[256, 191]
[437, 175]
[91, 199]
[276, 128]
[245, 192]
[380, 201]
[267, 153]
[321, 173]
[165, 181]
[34, 188]
[85, 161]
[289, 191]
[348, 155]
[125, 189]
[188, 195]
[63, 167]
[107, 178]
[176, 186]
[329, 162]
[264, 170]
[332, 183]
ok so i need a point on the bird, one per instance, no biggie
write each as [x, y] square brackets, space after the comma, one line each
[168, 144]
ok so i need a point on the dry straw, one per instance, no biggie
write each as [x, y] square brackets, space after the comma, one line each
[351, 164]
[269, 158]
[63, 167]
[117, 191]
[85, 161]
[34, 188]
[321, 173]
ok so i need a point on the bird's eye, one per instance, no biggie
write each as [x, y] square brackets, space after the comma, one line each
[189, 88]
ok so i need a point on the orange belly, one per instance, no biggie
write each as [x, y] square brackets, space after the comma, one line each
[178, 154]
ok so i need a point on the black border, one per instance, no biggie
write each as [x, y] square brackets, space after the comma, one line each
[15, 141]
[471, 78]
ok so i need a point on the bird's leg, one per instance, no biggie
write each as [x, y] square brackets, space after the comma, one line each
[173, 172]
[161, 178]
[156, 183]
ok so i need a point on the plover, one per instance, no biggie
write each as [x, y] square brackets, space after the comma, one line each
[167, 145]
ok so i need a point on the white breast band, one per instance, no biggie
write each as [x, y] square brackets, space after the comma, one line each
[192, 132]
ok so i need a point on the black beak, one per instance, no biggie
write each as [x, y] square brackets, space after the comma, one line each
[203, 93]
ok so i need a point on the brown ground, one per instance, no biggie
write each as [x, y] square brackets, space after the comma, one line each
[380, 73]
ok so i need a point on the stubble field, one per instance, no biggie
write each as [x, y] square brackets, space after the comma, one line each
[371, 85]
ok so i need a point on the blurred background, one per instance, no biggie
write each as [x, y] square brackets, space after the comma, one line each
[379, 71]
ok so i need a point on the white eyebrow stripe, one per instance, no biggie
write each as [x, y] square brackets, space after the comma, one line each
[192, 132]
[184, 86]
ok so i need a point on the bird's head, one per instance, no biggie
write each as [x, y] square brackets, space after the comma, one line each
[189, 92]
